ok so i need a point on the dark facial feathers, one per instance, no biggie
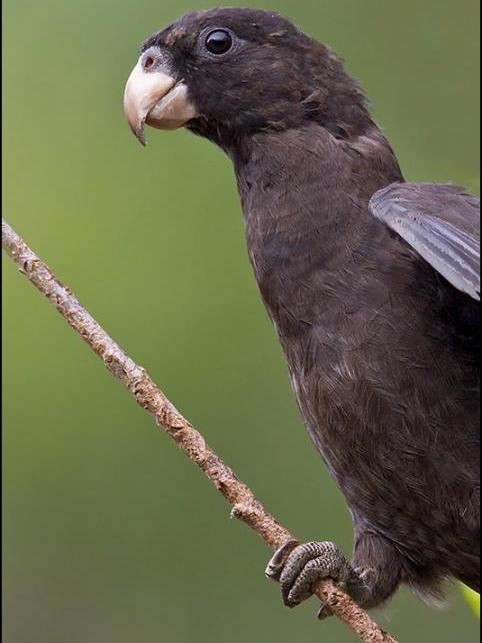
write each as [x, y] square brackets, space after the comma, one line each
[274, 78]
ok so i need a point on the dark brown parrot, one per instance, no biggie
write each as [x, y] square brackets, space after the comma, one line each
[372, 285]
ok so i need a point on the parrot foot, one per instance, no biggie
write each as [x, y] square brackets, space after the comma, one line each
[299, 567]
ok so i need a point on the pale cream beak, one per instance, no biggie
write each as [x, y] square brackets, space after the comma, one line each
[155, 98]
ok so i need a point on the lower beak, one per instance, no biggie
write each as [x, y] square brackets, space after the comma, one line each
[156, 98]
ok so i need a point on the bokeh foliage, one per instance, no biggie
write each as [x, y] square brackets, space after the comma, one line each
[473, 599]
[110, 534]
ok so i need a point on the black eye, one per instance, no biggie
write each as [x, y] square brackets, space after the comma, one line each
[219, 42]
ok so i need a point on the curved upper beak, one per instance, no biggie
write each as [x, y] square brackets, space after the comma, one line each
[154, 97]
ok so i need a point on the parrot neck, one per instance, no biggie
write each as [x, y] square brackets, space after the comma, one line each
[307, 222]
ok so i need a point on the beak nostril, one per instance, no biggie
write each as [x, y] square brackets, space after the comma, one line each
[148, 62]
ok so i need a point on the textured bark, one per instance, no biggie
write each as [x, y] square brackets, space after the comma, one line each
[244, 505]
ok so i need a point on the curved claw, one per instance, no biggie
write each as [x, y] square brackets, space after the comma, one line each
[323, 612]
[276, 563]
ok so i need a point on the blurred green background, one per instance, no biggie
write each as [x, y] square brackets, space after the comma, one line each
[110, 533]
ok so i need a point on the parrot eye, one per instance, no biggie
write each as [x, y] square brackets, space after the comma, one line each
[219, 42]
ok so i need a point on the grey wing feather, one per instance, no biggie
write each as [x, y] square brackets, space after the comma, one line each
[441, 222]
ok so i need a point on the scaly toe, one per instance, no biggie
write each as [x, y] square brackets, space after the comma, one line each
[306, 565]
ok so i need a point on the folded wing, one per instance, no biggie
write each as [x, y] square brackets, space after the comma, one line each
[441, 222]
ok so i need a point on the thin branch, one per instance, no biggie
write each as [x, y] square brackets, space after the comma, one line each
[244, 505]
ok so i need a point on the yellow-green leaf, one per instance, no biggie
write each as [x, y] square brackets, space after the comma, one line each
[472, 598]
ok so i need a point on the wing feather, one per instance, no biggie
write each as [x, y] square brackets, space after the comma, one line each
[441, 222]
